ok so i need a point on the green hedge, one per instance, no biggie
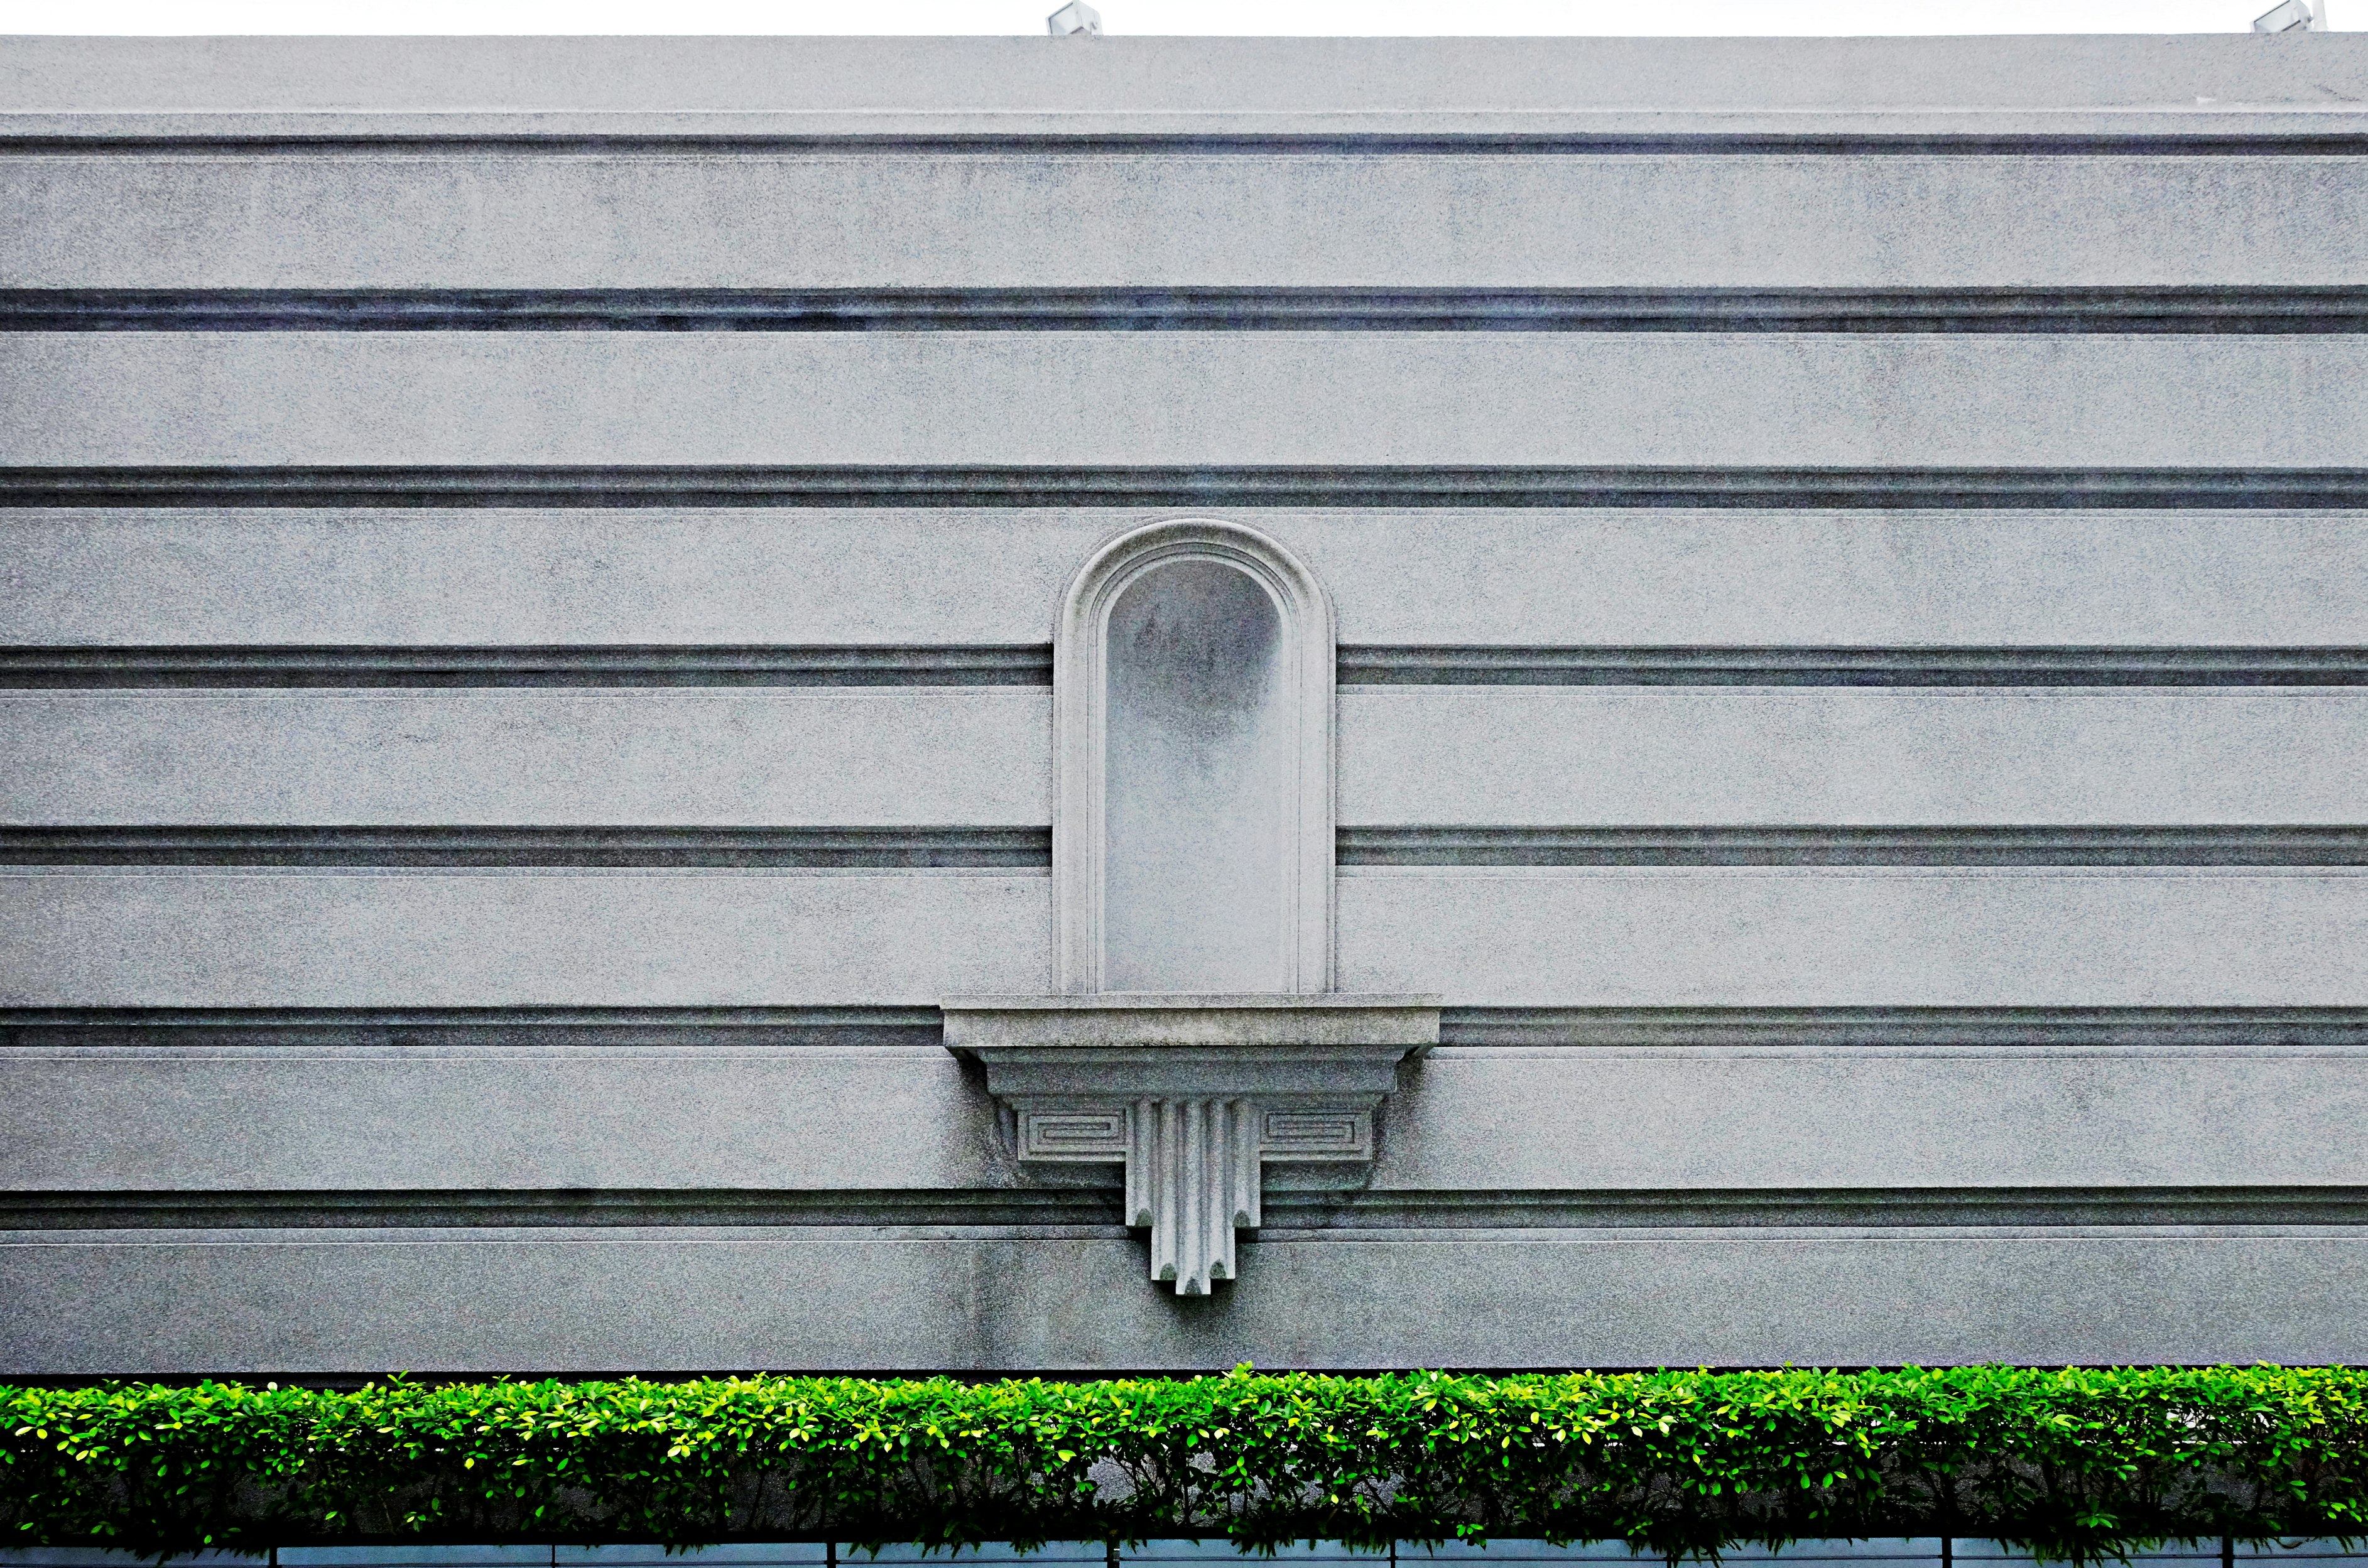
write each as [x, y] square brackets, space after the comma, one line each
[2076, 1464]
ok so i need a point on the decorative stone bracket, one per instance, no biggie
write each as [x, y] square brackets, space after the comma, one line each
[1193, 1095]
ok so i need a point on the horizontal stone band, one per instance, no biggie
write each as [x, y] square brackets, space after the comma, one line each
[407, 1032]
[749, 848]
[852, 485]
[757, 848]
[1031, 664]
[1852, 667]
[1097, 1208]
[2199, 1029]
[127, 137]
[497, 1030]
[2204, 845]
[2327, 309]
[609, 665]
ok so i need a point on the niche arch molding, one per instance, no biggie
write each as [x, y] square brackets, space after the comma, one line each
[1305, 657]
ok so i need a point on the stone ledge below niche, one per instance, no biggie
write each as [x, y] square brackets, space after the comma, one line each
[1192, 1094]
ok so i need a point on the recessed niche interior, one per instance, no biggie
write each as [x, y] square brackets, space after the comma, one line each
[1200, 785]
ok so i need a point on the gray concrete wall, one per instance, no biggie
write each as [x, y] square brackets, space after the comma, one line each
[1501, 1130]
[1032, 86]
[1552, 577]
[478, 1300]
[1417, 755]
[1853, 609]
[1650, 220]
[1510, 936]
[650, 756]
[237, 937]
[1267, 397]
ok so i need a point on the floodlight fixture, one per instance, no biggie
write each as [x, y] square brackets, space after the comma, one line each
[1076, 17]
[2295, 16]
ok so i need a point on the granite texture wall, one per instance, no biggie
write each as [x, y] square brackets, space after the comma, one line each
[530, 572]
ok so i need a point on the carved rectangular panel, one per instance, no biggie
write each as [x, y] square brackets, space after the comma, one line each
[1082, 1132]
[1315, 1132]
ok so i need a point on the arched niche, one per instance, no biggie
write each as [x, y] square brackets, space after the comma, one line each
[1192, 748]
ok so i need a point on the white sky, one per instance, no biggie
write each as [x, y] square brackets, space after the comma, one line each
[1220, 17]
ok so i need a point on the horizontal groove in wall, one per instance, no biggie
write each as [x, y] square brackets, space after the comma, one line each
[1032, 847]
[465, 1031]
[2201, 846]
[2343, 1029]
[748, 847]
[1033, 486]
[1031, 664]
[1851, 1207]
[1852, 667]
[1066, 1206]
[1907, 143]
[55, 668]
[1097, 1206]
[694, 1029]
[2329, 309]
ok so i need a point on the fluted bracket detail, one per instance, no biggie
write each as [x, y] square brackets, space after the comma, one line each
[1195, 1164]
[1194, 1095]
